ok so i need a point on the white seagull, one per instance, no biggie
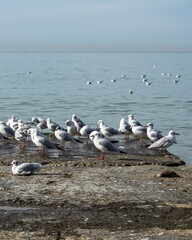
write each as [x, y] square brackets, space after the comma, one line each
[85, 131]
[71, 128]
[107, 131]
[153, 134]
[124, 128]
[42, 141]
[139, 131]
[103, 144]
[6, 130]
[25, 168]
[78, 122]
[64, 136]
[132, 120]
[165, 142]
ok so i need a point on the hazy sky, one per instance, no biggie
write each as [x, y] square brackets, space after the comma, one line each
[96, 24]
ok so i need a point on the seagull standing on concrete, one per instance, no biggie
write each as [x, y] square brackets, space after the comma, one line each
[64, 136]
[85, 131]
[132, 120]
[103, 144]
[124, 128]
[165, 142]
[107, 131]
[78, 123]
[71, 128]
[153, 134]
[6, 130]
[139, 131]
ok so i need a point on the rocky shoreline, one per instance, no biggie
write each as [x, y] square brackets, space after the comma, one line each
[78, 196]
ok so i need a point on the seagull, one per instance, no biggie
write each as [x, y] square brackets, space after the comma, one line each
[139, 131]
[42, 124]
[6, 130]
[130, 91]
[123, 76]
[78, 122]
[11, 119]
[148, 83]
[107, 131]
[175, 81]
[85, 131]
[169, 75]
[51, 125]
[12, 123]
[178, 76]
[71, 128]
[25, 168]
[153, 134]
[103, 144]
[124, 128]
[163, 74]
[89, 82]
[42, 141]
[35, 120]
[143, 76]
[165, 142]
[21, 135]
[113, 80]
[144, 80]
[64, 136]
[132, 120]
[99, 81]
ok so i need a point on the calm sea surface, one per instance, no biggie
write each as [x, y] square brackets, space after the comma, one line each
[57, 88]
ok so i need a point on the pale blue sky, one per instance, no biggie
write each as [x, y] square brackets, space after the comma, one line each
[96, 24]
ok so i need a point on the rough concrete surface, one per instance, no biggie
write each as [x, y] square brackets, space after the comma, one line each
[78, 196]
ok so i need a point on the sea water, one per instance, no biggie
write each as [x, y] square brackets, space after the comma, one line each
[54, 85]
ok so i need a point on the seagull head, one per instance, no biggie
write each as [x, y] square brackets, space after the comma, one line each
[172, 133]
[149, 125]
[15, 162]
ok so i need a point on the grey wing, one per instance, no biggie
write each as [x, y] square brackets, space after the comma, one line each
[47, 142]
[160, 143]
[54, 125]
[156, 135]
[68, 137]
[27, 168]
[112, 130]
[10, 131]
[80, 123]
[108, 145]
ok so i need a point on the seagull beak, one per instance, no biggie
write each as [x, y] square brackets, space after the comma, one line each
[177, 133]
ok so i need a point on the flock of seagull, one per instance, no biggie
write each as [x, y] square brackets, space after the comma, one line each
[100, 136]
[143, 77]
